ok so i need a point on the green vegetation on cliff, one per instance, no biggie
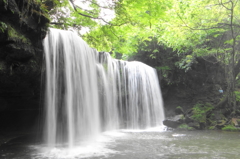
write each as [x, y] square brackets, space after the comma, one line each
[200, 112]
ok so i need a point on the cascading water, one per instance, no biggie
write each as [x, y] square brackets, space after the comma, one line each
[88, 92]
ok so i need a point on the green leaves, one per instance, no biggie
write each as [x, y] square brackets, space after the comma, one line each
[200, 112]
[134, 23]
[230, 42]
[186, 63]
[190, 27]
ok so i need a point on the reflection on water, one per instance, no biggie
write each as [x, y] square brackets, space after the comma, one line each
[125, 144]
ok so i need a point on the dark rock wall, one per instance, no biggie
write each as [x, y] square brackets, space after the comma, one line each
[200, 84]
[23, 25]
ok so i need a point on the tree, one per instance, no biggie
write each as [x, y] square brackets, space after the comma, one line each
[203, 28]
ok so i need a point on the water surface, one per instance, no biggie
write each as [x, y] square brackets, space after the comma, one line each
[127, 144]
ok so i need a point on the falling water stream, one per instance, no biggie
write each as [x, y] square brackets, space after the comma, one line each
[88, 92]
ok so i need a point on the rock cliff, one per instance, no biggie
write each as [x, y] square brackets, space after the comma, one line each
[23, 25]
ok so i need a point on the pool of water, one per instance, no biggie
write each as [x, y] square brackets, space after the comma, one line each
[127, 144]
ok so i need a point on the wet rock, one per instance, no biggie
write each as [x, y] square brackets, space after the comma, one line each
[171, 123]
[23, 25]
[195, 125]
[174, 122]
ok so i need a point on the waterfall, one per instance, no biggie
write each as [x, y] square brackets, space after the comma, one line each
[88, 92]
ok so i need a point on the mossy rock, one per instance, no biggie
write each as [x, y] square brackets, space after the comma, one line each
[230, 128]
[14, 35]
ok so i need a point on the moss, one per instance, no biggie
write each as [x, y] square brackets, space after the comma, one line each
[230, 128]
[211, 127]
[185, 127]
[14, 35]
[3, 27]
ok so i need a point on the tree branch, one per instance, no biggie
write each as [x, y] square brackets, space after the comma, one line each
[235, 25]
[196, 28]
[56, 23]
[223, 4]
[75, 8]
[97, 18]
[97, 4]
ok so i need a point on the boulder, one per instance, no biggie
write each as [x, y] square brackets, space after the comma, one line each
[175, 121]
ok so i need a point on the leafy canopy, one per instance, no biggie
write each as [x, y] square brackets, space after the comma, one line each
[184, 25]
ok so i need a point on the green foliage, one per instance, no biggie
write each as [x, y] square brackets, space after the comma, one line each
[211, 127]
[134, 23]
[187, 26]
[15, 35]
[237, 94]
[185, 127]
[179, 107]
[186, 62]
[200, 112]
[230, 128]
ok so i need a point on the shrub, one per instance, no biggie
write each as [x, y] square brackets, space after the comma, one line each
[200, 112]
